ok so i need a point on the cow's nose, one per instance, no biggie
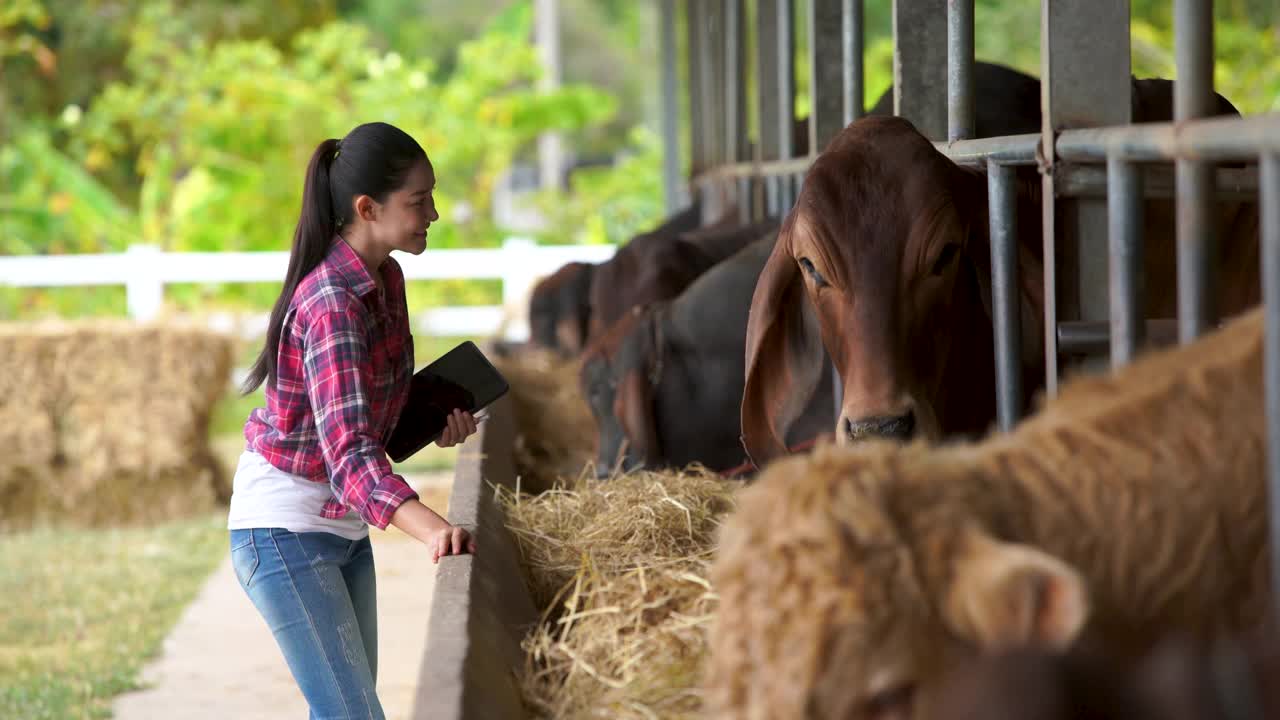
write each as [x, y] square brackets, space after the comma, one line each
[893, 427]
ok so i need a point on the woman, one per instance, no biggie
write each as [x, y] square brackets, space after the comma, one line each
[337, 365]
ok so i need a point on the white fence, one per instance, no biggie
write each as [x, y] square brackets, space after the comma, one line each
[145, 270]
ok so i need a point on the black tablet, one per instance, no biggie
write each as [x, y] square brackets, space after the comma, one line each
[462, 379]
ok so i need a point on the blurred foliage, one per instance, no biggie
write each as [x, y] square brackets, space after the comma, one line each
[216, 136]
[610, 204]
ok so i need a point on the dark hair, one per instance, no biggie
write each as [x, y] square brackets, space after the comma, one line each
[372, 160]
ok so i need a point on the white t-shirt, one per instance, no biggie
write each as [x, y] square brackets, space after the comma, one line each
[264, 496]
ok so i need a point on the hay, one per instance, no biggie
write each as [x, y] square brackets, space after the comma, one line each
[106, 422]
[555, 432]
[619, 568]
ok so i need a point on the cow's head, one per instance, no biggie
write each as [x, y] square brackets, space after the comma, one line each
[558, 308]
[617, 382]
[846, 593]
[887, 243]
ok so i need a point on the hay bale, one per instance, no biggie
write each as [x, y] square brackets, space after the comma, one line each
[106, 422]
[555, 433]
[619, 569]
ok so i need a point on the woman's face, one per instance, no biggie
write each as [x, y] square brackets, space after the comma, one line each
[401, 222]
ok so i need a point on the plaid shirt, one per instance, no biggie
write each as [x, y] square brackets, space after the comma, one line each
[342, 378]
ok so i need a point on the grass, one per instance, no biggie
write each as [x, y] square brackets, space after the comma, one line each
[83, 610]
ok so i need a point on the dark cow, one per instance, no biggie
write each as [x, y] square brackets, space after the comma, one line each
[889, 241]
[665, 382]
[559, 308]
[658, 267]
[560, 304]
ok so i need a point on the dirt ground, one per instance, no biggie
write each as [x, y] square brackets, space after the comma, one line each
[220, 660]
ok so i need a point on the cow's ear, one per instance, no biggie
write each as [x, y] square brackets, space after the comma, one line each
[633, 407]
[785, 356]
[1005, 595]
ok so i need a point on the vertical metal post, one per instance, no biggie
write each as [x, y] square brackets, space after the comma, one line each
[775, 73]
[744, 200]
[1269, 197]
[708, 64]
[919, 65]
[735, 80]
[960, 101]
[1124, 241]
[826, 73]
[1005, 305]
[1193, 98]
[697, 106]
[670, 108]
[851, 44]
[1084, 82]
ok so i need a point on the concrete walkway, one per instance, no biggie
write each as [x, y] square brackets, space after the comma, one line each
[220, 661]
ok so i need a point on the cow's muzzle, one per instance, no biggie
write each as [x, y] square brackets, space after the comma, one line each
[892, 427]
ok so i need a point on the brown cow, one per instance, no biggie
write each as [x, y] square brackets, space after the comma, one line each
[660, 266]
[889, 241]
[559, 308]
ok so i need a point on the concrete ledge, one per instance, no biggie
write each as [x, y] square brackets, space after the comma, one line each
[481, 608]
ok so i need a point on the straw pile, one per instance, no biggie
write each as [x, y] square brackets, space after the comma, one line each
[106, 423]
[619, 569]
[555, 433]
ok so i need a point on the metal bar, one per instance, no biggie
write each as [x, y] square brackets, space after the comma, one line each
[697, 110]
[1124, 242]
[772, 201]
[708, 43]
[744, 200]
[919, 62]
[851, 44]
[1052, 342]
[1006, 150]
[960, 100]
[1269, 198]
[1094, 338]
[772, 125]
[785, 70]
[1084, 82]
[1004, 294]
[1214, 139]
[1193, 98]
[1157, 182]
[735, 83]
[1217, 139]
[670, 109]
[826, 76]
[1193, 57]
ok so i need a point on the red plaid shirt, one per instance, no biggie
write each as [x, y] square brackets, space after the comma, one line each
[342, 378]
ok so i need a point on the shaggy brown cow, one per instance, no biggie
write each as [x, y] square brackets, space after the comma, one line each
[1131, 508]
[559, 308]
[889, 241]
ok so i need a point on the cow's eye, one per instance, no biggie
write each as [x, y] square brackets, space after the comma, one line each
[944, 258]
[812, 271]
[891, 704]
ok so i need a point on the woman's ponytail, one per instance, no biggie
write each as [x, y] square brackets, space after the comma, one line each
[316, 227]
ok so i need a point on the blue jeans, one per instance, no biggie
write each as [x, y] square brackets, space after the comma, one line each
[318, 594]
